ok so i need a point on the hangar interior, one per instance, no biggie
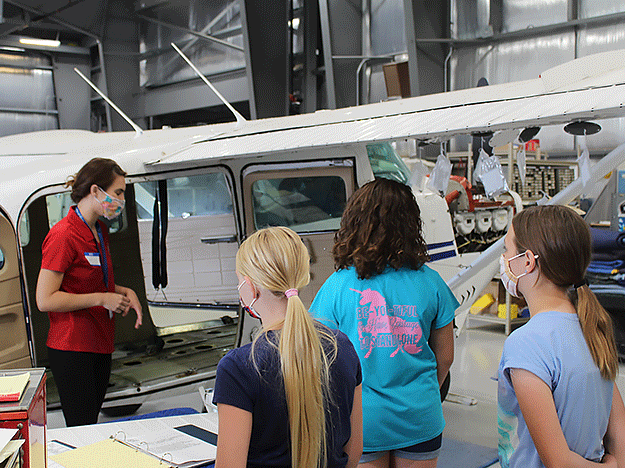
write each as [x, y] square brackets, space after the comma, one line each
[273, 58]
[279, 58]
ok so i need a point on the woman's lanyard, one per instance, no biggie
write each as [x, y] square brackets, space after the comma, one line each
[101, 249]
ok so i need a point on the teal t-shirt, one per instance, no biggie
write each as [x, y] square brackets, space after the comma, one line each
[389, 318]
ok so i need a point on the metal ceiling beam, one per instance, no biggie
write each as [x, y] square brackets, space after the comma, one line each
[205, 30]
[193, 33]
[267, 60]
[539, 31]
[36, 19]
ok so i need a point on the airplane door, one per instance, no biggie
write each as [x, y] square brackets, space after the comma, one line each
[306, 197]
[14, 350]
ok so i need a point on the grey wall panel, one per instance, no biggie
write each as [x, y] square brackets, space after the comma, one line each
[515, 61]
[510, 61]
[591, 8]
[192, 95]
[470, 19]
[72, 93]
[12, 123]
[592, 41]
[522, 14]
[22, 88]
[388, 34]
[602, 39]
[21, 60]
[27, 100]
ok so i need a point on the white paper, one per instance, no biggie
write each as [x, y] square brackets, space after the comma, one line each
[10, 448]
[182, 447]
[5, 436]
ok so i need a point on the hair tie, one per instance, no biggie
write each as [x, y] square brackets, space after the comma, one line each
[580, 284]
[291, 292]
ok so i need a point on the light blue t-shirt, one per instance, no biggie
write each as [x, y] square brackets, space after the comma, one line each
[552, 347]
[389, 318]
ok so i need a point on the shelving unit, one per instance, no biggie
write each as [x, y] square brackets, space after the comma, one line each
[506, 322]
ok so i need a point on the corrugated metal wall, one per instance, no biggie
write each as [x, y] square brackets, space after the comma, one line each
[526, 58]
[27, 100]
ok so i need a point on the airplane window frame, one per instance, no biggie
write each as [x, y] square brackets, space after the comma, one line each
[285, 210]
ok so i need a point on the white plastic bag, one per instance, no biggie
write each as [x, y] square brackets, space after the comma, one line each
[491, 175]
[439, 178]
[520, 162]
[583, 163]
[419, 176]
[479, 166]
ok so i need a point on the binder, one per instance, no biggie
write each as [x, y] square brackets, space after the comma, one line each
[117, 452]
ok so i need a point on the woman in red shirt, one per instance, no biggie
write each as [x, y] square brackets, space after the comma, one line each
[77, 289]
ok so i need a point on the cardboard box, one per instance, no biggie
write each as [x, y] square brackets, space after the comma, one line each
[397, 79]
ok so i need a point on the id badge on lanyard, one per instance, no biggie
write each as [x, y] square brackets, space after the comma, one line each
[102, 252]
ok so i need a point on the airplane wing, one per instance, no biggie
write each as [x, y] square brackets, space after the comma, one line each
[585, 89]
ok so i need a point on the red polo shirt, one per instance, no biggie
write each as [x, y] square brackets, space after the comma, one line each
[70, 248]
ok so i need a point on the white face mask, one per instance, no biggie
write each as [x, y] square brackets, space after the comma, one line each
[510, 280]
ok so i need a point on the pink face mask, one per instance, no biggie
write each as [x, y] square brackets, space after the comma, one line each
[510, 280]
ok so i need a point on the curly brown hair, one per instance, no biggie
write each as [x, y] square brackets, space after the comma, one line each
[381, 227]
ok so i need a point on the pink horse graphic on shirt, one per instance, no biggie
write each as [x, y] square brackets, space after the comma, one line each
[404, 334]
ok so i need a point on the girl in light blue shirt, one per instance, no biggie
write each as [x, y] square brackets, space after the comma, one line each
[558, 404]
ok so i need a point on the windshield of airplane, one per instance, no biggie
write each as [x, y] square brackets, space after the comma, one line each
[385, 162]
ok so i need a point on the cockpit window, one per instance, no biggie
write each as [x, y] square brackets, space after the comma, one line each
[385, 162]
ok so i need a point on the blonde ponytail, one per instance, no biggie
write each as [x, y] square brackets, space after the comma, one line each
[597, 328]
[306, 380]
[277, 260]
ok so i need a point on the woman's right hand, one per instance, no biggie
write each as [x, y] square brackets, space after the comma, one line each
[114, 302]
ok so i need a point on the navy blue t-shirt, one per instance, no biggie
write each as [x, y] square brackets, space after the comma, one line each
[238, 383]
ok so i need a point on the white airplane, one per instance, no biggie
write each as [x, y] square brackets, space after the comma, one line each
[213, 185]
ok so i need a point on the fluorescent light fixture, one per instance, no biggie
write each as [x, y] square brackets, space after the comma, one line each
[40, 42]
[12, 49]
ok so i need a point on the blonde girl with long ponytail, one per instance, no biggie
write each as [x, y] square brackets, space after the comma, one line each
[558, 401]
[292, 396]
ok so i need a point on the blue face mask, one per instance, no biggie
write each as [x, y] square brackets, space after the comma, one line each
[112, 206]
[249, 309]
